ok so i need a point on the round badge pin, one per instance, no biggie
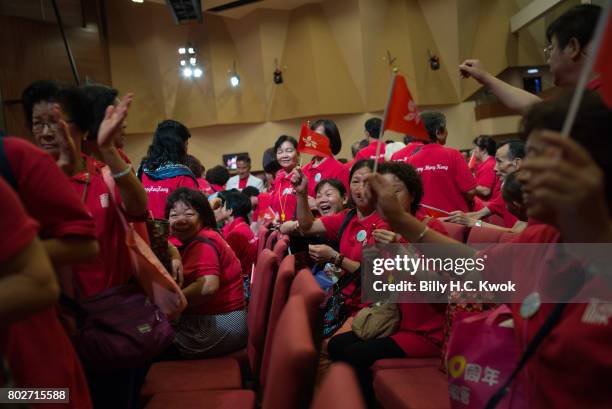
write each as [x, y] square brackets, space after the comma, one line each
[361, 235]
[317, 177]
[530, 305]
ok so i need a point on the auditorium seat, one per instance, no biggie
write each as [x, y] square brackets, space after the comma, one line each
[508, 237]
[284, 278]
[262, 236]
[280, 248]
[221, 373]
[339, 390]
[495, 219]
[456, 231]
[484, 235]
[238, 399]
[272, 239]
[306, 286]
[401, 363]
[412, 388]
[293, 361]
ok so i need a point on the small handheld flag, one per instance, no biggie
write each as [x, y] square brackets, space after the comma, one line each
[313, 143]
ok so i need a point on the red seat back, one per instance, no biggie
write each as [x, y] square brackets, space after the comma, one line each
[293, 361]
[280, 248]
[339, 390]
[306, 286]
[284, 278]
[456, 231]
[272, 239]
[507, 237]
[262, 236]
[259, 307]
[484, 235]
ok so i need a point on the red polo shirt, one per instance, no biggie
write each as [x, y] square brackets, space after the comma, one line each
[37, 350]
[284, 200]
[369, 152]
[205, 186]
[356, 235]
[159, 190]
[403, 154]
[241, 239]
[445, 177]
[485, 174]
[330, 168]
[497, 206]
[200, 259]
[113, 265]
[421, 329]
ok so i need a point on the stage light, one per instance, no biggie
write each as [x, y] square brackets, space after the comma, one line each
[191, 50]
[138, 1]
[533, 71]
[197, 72]
[181, 50]
[234, 80]
[187, 72]
[278, 76]
[183, 63]
[192, 61]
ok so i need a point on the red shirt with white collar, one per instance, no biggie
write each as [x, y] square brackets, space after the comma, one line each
[445, 177]
[201, 259]
[329, 168]
[284, 199]
[241, 239]
[369, 152]
[406, 152]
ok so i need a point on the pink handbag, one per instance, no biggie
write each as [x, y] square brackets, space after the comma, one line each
[153, 277]
[481, 355]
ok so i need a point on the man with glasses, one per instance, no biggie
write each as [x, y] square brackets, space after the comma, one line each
[569, 38]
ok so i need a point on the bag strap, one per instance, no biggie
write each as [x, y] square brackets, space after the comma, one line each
[5, 168]
[551, 321]
[204, 240]
[347, 219]
[414, 152]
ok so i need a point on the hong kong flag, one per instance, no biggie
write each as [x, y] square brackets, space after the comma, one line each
[603, 65]
[401, 113]
[313, 143]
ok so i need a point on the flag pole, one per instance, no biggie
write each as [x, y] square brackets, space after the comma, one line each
[382, 127]
[586, 71]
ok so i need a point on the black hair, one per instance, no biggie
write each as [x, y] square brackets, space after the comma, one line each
[332, 133]
[239, 203]
[76, 106]
[269, 162]
[251, 191]
[168, 146]
[357, 146]
[512, 189]
[578, 22]
[409, 138]
[409, 177]
[362, 163]
[282, 139]
[516, 148]
[335, 183]
[217, 175]
[487, 143]
[434, 122]
[100, 97]
[196, 200]
[195, 165]
[244, 158]
[38, 91]
[592, 127]
[372, 127]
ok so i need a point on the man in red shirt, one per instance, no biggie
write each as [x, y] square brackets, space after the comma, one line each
[412, 144]
[448, 183]
[569, 38]
[372, 132]
[486, 179]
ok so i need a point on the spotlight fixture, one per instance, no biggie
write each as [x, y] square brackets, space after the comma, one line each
[434, 61]
[138, 1]
[532, 71]
[234, 79]
[193, 61]
[278, 74]
[187, 72]
[197, 72]
[191, 50]
[181, 50]
[183, 63]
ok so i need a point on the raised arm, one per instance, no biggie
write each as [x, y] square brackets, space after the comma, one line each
[308, 224]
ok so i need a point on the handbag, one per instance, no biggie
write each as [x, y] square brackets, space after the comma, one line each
[118, 328]
[334, 309]
[151, 274]
[378, 321]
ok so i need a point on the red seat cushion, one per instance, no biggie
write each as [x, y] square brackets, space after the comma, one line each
[412, 388]
[484, 235]
[456, 231]
[401, 363]
[197, 375]
[306, 286]
[339, 390]
[235, 399]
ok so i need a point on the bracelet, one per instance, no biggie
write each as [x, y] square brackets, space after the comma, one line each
[122, 173]
[298, 228]
[423, 233]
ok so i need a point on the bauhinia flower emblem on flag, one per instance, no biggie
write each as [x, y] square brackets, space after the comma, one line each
[413, 113]
[310, 143]
[313, 143]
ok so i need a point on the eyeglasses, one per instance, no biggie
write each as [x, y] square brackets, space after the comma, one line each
[39, 127]
[548, 51]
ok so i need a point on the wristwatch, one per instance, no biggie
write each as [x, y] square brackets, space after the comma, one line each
[478, 223]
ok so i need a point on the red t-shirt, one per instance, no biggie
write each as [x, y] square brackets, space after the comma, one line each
[241, 239]
[497, 206]
[284, 200]
[445, 177]
[38, 352]
[113, 265]
[485, 174]
[200, 259]
[421, 329]
[330, 168]
[46, 192]
[205, 186]
[403, 154]
[159, 190]
[242, 183]
[356, 235]
[369, 152]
